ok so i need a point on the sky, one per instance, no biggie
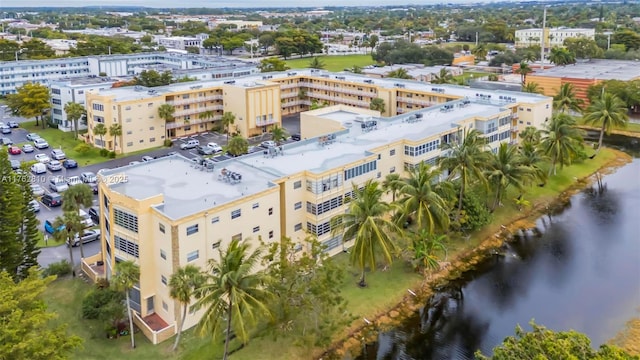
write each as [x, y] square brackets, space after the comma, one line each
[211, 3]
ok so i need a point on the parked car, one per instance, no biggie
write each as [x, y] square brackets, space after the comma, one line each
[86, 219]
[38, 168]
[5, 129]
[14, 150]
[87, 236]
[34, 205]
[58, 184]
[204, 150]
[52, 199]
[15, 164]
[296, 137]
[147, 158]
[93, 213]
[37, 190]
[40, 144]
[54, 165]
[13, 124]
[88, 177]
[216, 148]
[32, 136]
[58, 154]
[189, 144]
[48, 226]
[42, 158]
[69, 164]
[94, 187]
[267, 144]
[74, 180]
[28, 148]
[6, 141]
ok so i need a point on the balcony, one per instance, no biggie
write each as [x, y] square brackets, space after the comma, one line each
[193, 100]
[93, 267]
[415, 101]
[295, 103]
[181, 123]
[154, 327]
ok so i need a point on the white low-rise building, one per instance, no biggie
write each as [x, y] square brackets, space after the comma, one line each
[553, 37]
[73, 90]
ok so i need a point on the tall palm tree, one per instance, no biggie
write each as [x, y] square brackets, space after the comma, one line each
[366, 222]
[377, 104]
[566, 99]
[100, 130]
[523, 70]
[126, 276]
[400, 73]
[69, 224]
[443, 77]
[392, 184]
[467, 160]
[426, 199]
[228, 119]
[609, 112]
[182, 286]
[75, 198]
[480, 52]
[506, 169]
[531, 135]
[166, 111]
[532, 88]
[115, 130]
[279, 134]
[533, 157]
[234, 294]
[561, 141]
[561, 56]
[74, 112]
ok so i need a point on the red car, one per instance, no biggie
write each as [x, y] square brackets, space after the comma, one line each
[14, 150]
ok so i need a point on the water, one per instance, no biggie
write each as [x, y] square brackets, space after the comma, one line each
[582, 273]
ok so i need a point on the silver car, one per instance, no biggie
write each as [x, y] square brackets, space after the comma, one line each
[37, 190]
[87, 236]
[54, 165]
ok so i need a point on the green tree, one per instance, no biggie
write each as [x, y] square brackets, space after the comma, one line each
[11, 209]
[561, 56]
[377, 104]
[443, 77]
[279, 134]
[367, 224]
[182, 286]
[400, 73]
[28, 233]
[628, 37]
[356, 69]
[74, 112]
[272, 64]
[392, 184]
[533, 157]
[561, 141]
[609, 112]
[480, 52]
[566, 99]
[524, 69]
[126, 276]
[427, 249]
[373, 41]
[30, 101]
[152, 78]
[100, 130]
[532, 88]
[467, 160]
[583, 48]
[165, 111]
[424, 198]
[531, 134]
[542, 343]
[316, 63]
[66, 227]
[235, 295]
[506, 169]
[75, 198]
[115, 130]
[28, 330]
[37, 49]
[237, 146]
[228, 119]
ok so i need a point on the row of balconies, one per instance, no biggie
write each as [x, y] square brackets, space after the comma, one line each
[295, 103]
[338, 99]
[341, 90]
[181, 123]
[198, 110]
[415, 101]
[192, 100]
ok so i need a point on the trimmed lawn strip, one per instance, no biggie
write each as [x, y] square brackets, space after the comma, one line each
[333, 63]
[630, 128]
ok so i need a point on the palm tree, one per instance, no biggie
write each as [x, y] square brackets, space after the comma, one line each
[523, 70]
[356, 69]
[465, 160]
[561, 140]
[316, 63]
[400, 73]
[480, 52]
[423, 197]
[69, 224]
[506, 169]
[100, 130]
[609, 112]
[166, 111]
[531, 135]
[532, 88]
[115, 130]
[75, 198]
[366, 223]
[126, 276]
[182, 286]
[392, 184]
[443, 77]
[533, 157]
[206, 115]
[74, 112]
[279, 134]
[561, 56]
[237, 146]
[566, 99]
[228, 119]
[234, 294]
[426, 248]
[377, 104]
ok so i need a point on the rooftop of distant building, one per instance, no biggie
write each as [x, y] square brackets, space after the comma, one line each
[599, 69]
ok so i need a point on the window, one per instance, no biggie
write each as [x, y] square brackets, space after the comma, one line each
[256, 229]
[161, 228]
[165, 306]
[163, 279]
[298, 205]
[126, 220]
[98, 107]
[271, 234]
[237, 237]
[392, 170]
[297, 184]
[192, 229]
[360, 169]
[392, 152]
[193, 255]
[126, 246]
[236, 213]
[130, 143]
[255, 205]
[152, 139]
[215, 219]
[321, 208]
[270, 211]
[56, 101]
[422, 149]
[319, 229]
[298, 227]
[215, 245]
[163, 254]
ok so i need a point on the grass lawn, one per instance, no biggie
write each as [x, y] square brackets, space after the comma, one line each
[470, 74]
[631, 127]
[334, 63]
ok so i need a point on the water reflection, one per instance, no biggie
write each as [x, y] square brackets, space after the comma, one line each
[580, 272]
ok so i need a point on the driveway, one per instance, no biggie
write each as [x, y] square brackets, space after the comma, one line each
[54, 254]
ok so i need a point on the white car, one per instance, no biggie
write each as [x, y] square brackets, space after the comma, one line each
[215, 147]
[267, 144]
[74, 180]
[40, 143]
[37, 190]
[42, 158]
[88, 177]
[58, 154]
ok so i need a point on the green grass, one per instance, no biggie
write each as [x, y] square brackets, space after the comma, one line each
[334, 63]
[631, 127]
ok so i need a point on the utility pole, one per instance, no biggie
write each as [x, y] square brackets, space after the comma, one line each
[544, 24]
[476, 38]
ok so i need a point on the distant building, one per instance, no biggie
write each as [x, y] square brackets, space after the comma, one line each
[64, 91]
[239, 24]
[553, 37]
[182, 42]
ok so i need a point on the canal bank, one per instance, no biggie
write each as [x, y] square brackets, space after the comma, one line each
[495, 236]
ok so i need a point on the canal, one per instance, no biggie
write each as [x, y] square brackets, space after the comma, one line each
[580, 271]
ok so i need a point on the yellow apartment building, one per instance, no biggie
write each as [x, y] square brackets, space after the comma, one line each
[169, 212]
[259, 102]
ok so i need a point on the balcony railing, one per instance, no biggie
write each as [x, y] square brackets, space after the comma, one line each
[155, 336]
[93, 267]
[193, 100]
[181, 123]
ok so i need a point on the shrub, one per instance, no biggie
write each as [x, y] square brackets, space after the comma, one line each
[112, 155]
[52, 124]
[96, 301]
[102, 283]
[82, 149]
[104, 152]
[475, 213]
[60, 268]
[168, 142]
